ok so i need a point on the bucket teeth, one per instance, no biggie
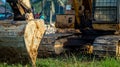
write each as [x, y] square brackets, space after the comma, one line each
[20, 40]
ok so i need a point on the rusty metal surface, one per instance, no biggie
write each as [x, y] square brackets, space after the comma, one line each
[65, 21]
[104, 26]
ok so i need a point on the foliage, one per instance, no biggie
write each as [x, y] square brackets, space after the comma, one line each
[46, 6]
[71, 61]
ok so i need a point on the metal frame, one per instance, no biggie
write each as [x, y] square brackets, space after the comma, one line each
[104, 10]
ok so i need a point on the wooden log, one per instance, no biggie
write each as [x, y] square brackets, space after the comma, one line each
[22, 37]
[107, 46]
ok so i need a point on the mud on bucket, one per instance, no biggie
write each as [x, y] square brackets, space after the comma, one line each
[19, 42]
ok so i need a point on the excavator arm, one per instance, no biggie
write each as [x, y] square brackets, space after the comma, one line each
[82, 7]
[80, 11]
[76, 5]
[20, 40]
[21, 9]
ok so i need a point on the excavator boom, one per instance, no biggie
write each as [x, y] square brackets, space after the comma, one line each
[81, 7]
[97, 21]
[20, 38]
[21, 8]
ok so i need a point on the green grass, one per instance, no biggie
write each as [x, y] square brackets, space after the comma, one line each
[71, 61]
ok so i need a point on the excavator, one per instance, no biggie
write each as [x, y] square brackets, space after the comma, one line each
[76, 30]
[81, 29]
[20, 37]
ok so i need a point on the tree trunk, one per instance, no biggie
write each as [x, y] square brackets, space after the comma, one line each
[51, 17]
[20, 40]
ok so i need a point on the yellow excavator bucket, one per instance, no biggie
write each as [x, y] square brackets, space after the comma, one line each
[19, 40]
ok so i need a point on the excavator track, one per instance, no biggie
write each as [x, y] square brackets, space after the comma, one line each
[46, 47]
[50, 44]
[62, 43]
[107, 46]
